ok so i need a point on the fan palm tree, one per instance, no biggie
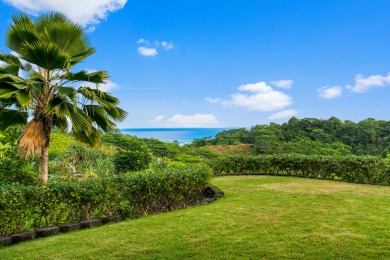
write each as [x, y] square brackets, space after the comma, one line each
[36, 82]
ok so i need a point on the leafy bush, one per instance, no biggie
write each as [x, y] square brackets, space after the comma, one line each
[132, 153]
[23, 207]
[16, 169]
[130, 161]
[357, 169]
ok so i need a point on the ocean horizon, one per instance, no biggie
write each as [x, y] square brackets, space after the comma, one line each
[181, 135]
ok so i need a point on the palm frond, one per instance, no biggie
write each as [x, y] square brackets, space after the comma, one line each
[12, 118]
[9, 64]
[62, 108]
[97, 77]
[116, 113]
[20, 32]
[45, 55]
[60, 123]
[91, 139]
[7, 90]
[99, 116]
[70, 37]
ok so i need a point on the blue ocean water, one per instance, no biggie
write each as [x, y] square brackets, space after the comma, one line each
[182, 135]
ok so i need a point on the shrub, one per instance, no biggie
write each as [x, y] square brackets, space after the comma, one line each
[16, 169]
[357, 169]
[130, 161]
[23, 207]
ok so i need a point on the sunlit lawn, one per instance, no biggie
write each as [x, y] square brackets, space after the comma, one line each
[259, 217]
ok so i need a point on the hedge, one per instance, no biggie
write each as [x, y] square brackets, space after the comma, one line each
[356, 169]
[24, 207]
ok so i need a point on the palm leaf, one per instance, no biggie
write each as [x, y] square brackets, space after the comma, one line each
[62, 108]
[7, 90]
[23, 96]
[97, 77]
[9, 64]
[12, 118]
[98, 115]
[70, 37]
[20, 32]
[91, 139]
[47, 56]
[60, 123]
[116, 113]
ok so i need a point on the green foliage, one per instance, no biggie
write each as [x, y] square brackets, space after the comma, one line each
[162, 149]
[131, 161]
[125, 142]
[357, 169]
[132, 154]
[310, 136]
[23, 207]
[15, 169]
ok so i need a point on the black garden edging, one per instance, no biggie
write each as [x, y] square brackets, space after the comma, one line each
[47, 231]
[210, 193]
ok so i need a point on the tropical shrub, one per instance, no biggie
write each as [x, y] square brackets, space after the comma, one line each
[24, 207]
[16, 169]
[357, 169]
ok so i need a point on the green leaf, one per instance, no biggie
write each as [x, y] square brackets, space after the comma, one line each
[97, 77]
[98, 115]
[91, 139]
[12, 118]
[45, 55]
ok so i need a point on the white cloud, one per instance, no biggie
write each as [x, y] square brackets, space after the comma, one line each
[167, 46]
[142, 40]
[213, 100]
[152, 49]
[256, 87]
[261, 98]
[283, 83]
[330, 92]
[85, 12]
[147, 52]
[179, 120]
[363, 84]
[283, 114]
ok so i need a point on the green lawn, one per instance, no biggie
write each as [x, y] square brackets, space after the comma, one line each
[259, 217]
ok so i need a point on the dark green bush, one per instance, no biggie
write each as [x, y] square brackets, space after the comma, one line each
[131, 161]
[357, 169]
[15, 169]
[24, 207]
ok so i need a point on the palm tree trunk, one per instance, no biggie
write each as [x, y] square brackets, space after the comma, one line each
[44, 166]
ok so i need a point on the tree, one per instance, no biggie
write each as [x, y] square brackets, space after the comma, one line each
[36, 81]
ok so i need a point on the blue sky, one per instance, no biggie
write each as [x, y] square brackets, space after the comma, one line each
[234, 63]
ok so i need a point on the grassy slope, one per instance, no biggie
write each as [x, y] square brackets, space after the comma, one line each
[271, 217]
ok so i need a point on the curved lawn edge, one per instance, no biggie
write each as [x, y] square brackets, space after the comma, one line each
[259, 217]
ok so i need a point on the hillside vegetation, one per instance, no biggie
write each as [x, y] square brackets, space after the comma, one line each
[310, 136]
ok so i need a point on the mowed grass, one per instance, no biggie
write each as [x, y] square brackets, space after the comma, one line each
[259, 217]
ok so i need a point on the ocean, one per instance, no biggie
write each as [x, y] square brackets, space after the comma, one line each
[182, 135]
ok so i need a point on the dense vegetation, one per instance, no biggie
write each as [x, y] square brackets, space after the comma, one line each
[123, 175]
[357, 169]
[310, 136]
[24, 207]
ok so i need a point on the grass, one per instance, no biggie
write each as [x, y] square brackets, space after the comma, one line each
[259, 217]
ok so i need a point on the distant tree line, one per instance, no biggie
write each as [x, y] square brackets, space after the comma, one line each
[310, 136]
